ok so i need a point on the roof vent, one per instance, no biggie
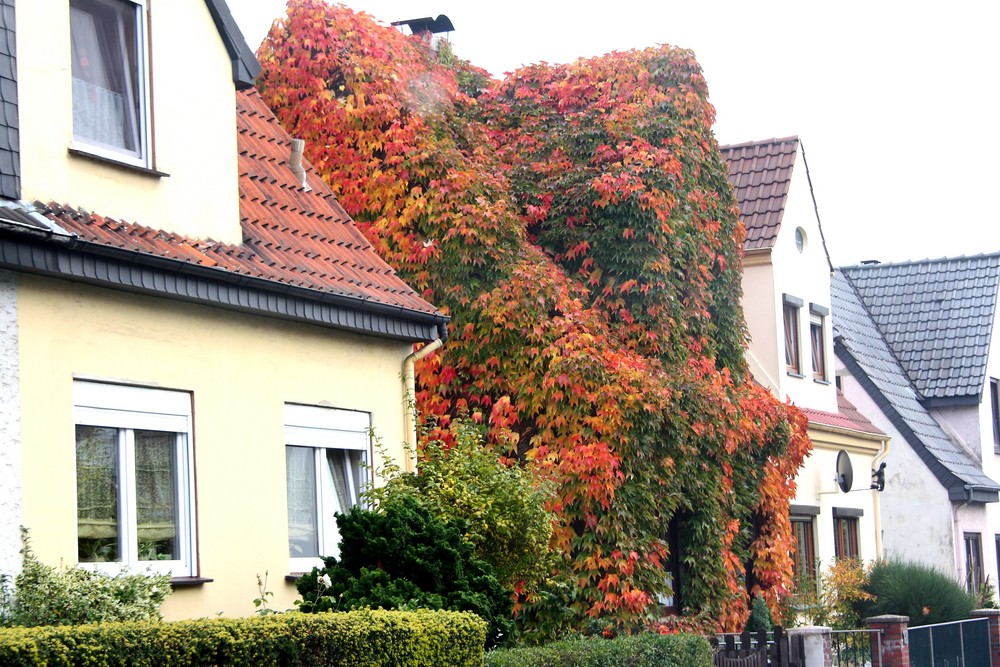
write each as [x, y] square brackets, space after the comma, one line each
[870, 262]
[295, 163]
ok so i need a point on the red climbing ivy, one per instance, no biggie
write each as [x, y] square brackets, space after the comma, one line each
[576, 223]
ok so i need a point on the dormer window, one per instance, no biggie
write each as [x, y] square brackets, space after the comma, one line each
[110, 100]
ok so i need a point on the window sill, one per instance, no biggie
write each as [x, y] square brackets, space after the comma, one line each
[292, 577]
[76, 152]
[823, 382]
[185, 582]
[794, 374]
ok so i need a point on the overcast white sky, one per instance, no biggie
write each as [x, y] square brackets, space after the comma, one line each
[895, 102]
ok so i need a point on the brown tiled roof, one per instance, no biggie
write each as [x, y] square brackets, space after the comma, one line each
[761, 173]
[847, 417]
[290, 236]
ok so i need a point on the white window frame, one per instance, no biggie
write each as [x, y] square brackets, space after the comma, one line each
[321, 429]
[142, 157]
[129, 408]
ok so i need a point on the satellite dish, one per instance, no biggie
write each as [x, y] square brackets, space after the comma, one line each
[845, 473]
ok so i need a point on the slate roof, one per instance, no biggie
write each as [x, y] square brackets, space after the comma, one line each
[761, 174]
[864, 351]
[293, 239]
[847, 417]
[10, 157]
[937, 317]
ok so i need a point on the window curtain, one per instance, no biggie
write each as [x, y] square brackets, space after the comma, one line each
[105, 102]
[818, 362]
[791, 338]
[156, 494]
[97, 493]
[303, 533]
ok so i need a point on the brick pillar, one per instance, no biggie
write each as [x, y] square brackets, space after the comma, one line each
[993, 618]
[893, 645]
[818, 642]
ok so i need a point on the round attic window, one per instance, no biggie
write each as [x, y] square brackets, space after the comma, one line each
[800, 239]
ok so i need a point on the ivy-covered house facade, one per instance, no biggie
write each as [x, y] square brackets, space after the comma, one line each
[917, 344]
[786, 302]
[196, 341]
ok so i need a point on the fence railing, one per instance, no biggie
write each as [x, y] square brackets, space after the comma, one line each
[955, 644]
[856, 648]
[759, 649]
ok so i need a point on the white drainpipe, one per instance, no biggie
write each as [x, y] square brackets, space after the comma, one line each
[409, 401]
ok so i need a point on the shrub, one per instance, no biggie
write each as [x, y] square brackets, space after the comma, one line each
[645, 650]
[503, 506]
[363, 639]
[760, 616]
[924, 594]
[403, 557]
[47, 595]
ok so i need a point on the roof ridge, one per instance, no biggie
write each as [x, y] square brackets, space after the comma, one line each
[910, 262]
[760, 142]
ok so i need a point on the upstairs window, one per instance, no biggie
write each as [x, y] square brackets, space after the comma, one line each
[110, 96]
[790, 311]
[326, 456]
[817, 339]
[134, 490]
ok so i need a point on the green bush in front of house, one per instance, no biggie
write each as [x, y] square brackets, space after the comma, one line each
[644, 650]
[361, 638]
[915, 590]
[47, 595]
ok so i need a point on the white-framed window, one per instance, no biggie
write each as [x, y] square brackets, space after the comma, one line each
[110, 79]
[326, 467]
[134, 488]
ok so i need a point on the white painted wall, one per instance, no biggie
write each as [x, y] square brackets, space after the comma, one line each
[916, 513]
[10, 429]
[805, 275]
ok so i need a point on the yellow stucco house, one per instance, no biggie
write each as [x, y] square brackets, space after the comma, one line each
[195, 340]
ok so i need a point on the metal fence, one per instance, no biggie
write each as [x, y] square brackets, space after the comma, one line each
[955, 644]
[856, 648]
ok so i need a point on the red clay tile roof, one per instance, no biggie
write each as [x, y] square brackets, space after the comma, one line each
[847, 417]
[290, 236]
[761, 173]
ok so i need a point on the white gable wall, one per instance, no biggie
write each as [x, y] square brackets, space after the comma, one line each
[804, 275]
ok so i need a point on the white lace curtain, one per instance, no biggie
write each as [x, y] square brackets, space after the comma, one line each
[105, 102]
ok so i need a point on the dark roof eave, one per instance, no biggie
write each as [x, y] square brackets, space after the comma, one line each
[245, 64]
[950, 401]
[129, 270]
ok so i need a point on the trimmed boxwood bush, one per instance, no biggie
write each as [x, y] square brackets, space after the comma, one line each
[361, 638]
[645, 650]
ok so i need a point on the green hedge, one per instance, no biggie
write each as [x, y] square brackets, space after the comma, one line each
[646, 650]
[366, 637]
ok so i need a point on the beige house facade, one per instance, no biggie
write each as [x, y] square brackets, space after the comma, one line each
[200, 352]
[786, 302]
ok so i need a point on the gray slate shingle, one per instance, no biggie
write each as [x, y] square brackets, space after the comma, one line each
[862, 347]
[937, 317]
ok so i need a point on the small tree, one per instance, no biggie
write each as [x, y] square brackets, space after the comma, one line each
[403, 557]
[502, 505]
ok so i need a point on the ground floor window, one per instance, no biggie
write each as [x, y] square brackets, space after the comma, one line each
[973, 562]
[326, 456]
[804, 562]
[133, 478]
[845, 533]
